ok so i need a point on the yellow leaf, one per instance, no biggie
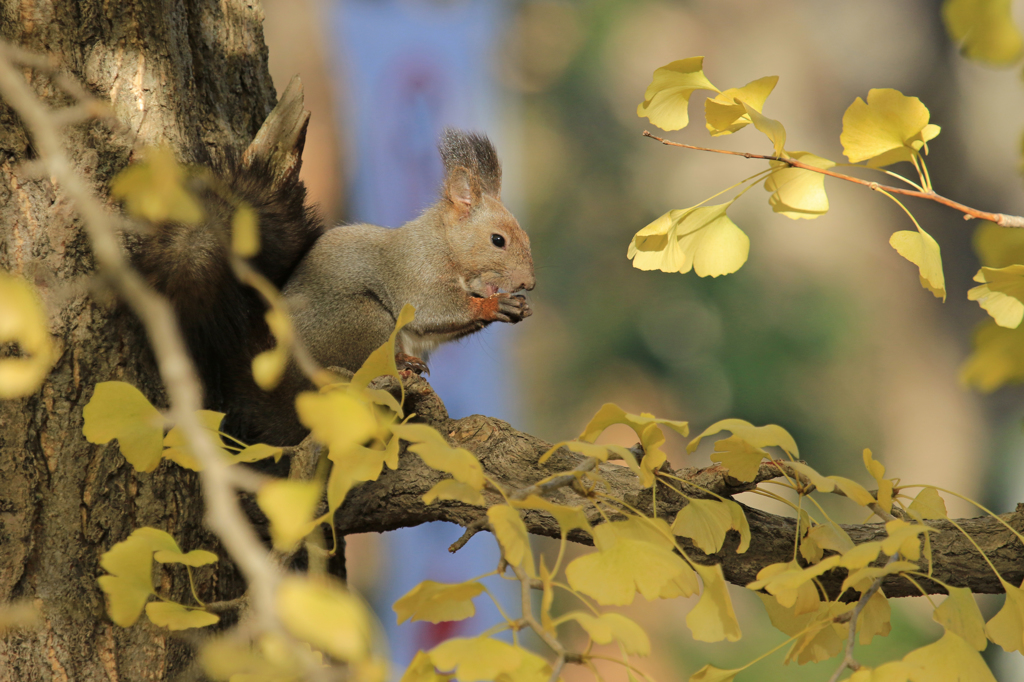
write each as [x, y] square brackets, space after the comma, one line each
[772, 129]
[705, 522]
[450, 489]
[824, 638]
[23, 321]
[625, 562]
[740, 525]
[997, 359]
[860, 556]
[822, 483]
[984, 29]
[532, 668]
[929, 504]
[890, 127]
[741, 459]
[568, 518]
[154, 189]
[757, 436]
[959, 613]
[862, 579]
[796, 192]
[511, 532]
[130, 565]
[245, 231]
[609, 627]
[1006, 628]
[438, 602]
[830, 536]
[289, 506]
[173, 616]
[998, 247]
[382, 361]
[713, 618]
[326, 615]
[435, 452]
[724, 113]
[893, 671]
[702, 238]
[1001, 294]
[547, 598]
[903, 538]
[422, 670]
[195, 558]
[268, 367]
[950, 659]
[336, 418]
[683, 584]
[874, 618]
[255, 453]
[119, 410]
[668, 96]
[610, 413]
[923, 251]
[791, 584]
[853, 490]
[177, 449]
[476, 659]
[877, 471]
[710, 673]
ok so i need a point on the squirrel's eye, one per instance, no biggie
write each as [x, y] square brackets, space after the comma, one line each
[498, 240]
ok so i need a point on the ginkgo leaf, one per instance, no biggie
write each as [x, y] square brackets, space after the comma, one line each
[706, 522]
[862, 579]
[758, 436]
[352, 466]
[713, 618]
[257, 452]
[23, 321]
[893, 671]
[684, 584]
[861, 555]
[609, 627]
[985, 30]
[1001, 294]
[176, 444]
[289, 506]
[1006, 628]
[382, 360]
[877, 471]
[959, 613]
[724, 113]
[245, 231]
[797, 192]
[997, 358]
[130, 565]
[438, 602]
[874, 618]
[119, 410]
[923, 251]
[511, 532]
[950, 659]
[831, 537]
[154, 189]
[268, 367]
[422, 670]
[195, 558]
[336, 418]
[668, 96]
[824, 638]
[710, 673]
[903, 538]
[476, 659]
[998, 247]
[435, 452]
[326, 615]
[702, 239]
[450, 489]
[791, 584]
[741, 459]
[624, 565]
[531, 668]
[890, 127]
[610, 413]
[568, 518]
[853, 490]
[929, 504]
[174, 616]
[772, 129]
[821, 482]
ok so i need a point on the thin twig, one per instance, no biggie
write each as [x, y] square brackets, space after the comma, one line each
[1001, 219]
[848, 660]
[472, 529]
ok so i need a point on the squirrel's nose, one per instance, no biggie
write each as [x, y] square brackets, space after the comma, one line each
[529, 284]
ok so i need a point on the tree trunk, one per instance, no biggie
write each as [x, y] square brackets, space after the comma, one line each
[192, 75]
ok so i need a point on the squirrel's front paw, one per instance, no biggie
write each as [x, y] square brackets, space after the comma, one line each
[410, 363]
[512, 308]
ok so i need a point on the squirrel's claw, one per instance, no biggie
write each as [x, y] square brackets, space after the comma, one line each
[410, 363]
[512, 308]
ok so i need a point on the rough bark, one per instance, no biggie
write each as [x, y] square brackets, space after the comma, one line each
[191, 75]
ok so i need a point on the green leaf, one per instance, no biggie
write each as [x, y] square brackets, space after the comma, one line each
[702, 239]
[889, 128]
[923, 251]
[438, 602]
[119, 410]
[174, 616]
[1001, 294]
[985, 30]
[668, 96]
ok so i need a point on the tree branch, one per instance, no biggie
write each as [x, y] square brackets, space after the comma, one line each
[510, 457]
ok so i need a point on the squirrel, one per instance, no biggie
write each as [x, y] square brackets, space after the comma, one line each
[459, 263]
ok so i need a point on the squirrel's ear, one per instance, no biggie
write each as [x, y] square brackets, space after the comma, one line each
[459, 189]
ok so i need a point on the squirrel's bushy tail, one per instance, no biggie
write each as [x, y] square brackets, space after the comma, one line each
[222, 319]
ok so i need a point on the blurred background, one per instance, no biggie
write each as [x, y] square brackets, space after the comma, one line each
[825, 330]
